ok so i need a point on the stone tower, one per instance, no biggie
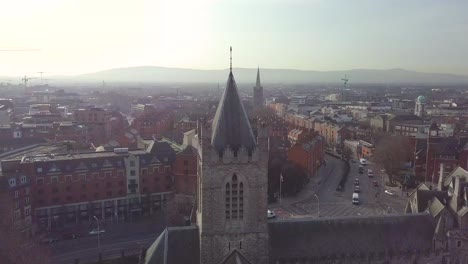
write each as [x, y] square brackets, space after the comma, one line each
[258, 93]
[232, 184]
[420, 107]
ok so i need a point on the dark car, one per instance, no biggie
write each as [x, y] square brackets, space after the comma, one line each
[375, 183]
[70, 236]
[356, 181]
[357, 189]
[49, 240]
[361, 170]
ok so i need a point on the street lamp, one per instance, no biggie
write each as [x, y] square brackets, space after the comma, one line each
[318, 204]
[98, 235]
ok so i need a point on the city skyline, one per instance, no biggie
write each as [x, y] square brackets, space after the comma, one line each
[77, 37]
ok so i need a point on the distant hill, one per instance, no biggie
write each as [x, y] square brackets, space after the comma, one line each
[243, 75]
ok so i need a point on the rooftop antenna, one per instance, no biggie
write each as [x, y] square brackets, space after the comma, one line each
[230, 66]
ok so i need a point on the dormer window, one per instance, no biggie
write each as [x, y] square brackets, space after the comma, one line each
[23, 179]
[12, 182]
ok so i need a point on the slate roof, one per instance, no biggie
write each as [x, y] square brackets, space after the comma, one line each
[337, 236]
[231, 126]
[235, 258]
[175, 245]
[310, 238]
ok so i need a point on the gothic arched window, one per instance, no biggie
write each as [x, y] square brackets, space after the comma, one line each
[228, 201]
[234, 199]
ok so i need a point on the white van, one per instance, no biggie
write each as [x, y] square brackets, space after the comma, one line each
[363, 161]
[356, 198]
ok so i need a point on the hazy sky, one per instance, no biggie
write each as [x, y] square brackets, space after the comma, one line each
[80, 36]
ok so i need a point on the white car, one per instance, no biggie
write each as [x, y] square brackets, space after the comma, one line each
[95, 231]
[363, 161]
[270, 214]
[389, 192]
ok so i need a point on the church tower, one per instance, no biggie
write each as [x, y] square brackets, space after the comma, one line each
[258, 93]
[232, 184]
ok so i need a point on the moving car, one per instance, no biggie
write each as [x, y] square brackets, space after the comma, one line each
[389, 192]
[370, 173]
[375, 183]
[95, 231]
[363, 161]
[357, 189]
[361, 169]
[355, 198]
[356, 181]
[270, 214]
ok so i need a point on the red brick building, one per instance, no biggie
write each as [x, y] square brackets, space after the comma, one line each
[308, 154]
[16, 198]
[152, 124]
[97, 122]
[68, 189]
[185, 171]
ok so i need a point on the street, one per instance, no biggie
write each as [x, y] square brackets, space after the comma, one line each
[332, 203]
[129, 237]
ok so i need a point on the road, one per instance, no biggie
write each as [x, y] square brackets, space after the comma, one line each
[332, 203]
[129, 237]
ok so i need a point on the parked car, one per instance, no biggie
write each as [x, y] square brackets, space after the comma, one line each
[70, 236]
[363, 161]
[370, 173]
[270, 214]
[95, 231]
[389, 192]
[353, 161]
[49, 240]
[375, 183]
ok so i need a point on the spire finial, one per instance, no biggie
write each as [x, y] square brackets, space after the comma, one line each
[230, 66]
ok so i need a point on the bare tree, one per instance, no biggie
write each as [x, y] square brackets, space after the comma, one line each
[391, 152]
[347, 153]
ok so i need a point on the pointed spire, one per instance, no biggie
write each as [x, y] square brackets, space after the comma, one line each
[231, 126]
[258, 78]
[230, 65]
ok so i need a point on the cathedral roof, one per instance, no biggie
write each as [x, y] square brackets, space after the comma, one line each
[175, 245]
[346, 236]
[235, 258]
[231, 126]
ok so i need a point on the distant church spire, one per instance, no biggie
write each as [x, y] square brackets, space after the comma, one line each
[258, 78]
[230, 65]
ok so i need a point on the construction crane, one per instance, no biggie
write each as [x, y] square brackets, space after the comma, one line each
[26, 80]
[41, 72]
[345, 80]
